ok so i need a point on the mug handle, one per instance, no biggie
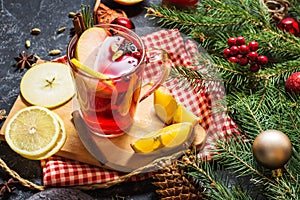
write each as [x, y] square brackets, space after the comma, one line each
[154, 55]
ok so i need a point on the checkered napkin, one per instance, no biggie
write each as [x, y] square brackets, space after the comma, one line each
[59, 171]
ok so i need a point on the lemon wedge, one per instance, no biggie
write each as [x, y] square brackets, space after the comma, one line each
[182, 114]
[165, 105]
[169, 110]
[170, 136]
[32, 131]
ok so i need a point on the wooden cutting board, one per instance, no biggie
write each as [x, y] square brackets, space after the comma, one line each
[114, 153]
[73, 148]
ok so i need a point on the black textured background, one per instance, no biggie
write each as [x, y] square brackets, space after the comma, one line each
[17, 18]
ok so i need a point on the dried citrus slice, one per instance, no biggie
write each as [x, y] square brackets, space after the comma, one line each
[169, 136]
[58, 145]
[32, 131]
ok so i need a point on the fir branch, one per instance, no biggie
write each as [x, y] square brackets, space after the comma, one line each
[256, 101]
[87, 16]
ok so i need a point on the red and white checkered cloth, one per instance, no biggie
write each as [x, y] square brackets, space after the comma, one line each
[59, 171]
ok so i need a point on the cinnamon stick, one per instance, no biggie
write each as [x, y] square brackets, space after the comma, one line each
[77, 25]
[82, 24]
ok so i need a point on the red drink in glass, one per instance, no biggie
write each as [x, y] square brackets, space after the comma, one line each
[108, 104]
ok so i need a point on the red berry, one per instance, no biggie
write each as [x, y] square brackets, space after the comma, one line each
[243, 61]
[292, 84]
[254, 67]
[226, 53]
[239, 56]
[123, 21]
[240, 40]
[253, 55]
[234, 50]
[233, 59]
[137, 55]
[244, 49]
[231, 41]
[262, 60]
[253, 45]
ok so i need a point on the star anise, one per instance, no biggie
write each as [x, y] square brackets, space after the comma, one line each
[8, 186]
[25, 60]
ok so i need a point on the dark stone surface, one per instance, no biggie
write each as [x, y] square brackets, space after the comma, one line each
[17, 18]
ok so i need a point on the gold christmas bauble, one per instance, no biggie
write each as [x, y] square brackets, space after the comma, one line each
[272, 149]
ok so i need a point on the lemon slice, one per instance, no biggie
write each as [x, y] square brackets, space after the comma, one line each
[47, 84]
[91, 72]
[128, 2]
[58, 145]
[32, 131]
[169, 136]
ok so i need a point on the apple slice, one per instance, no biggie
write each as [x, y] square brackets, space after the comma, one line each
[47, 84]
[88, 45]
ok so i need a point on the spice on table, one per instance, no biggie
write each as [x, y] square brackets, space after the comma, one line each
[25, 60]
[54, 52]
[3, 114]
[72, 14]
[62, 29]
[35, 31]
[27, 44]
[7, 186]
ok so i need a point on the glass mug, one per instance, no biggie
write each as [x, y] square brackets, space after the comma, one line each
[108, 105]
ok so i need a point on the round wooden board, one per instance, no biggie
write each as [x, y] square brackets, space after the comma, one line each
[117, 154]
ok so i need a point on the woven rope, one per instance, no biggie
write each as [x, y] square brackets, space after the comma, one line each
[16, 176]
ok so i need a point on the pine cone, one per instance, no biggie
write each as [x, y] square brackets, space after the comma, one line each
[174, 185]
[278, 8]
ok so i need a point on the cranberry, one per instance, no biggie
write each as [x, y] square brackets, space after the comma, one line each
[226, 53]
[244, 49]
[137, 55]
[234, 50]
[243, 61]
[231, 41]
[233, 59]
[262, 60]
[253, 55]
[253, 45]
[254, 67]
[240, 40]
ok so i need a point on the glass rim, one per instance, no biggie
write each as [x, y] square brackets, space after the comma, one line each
[73, 40]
